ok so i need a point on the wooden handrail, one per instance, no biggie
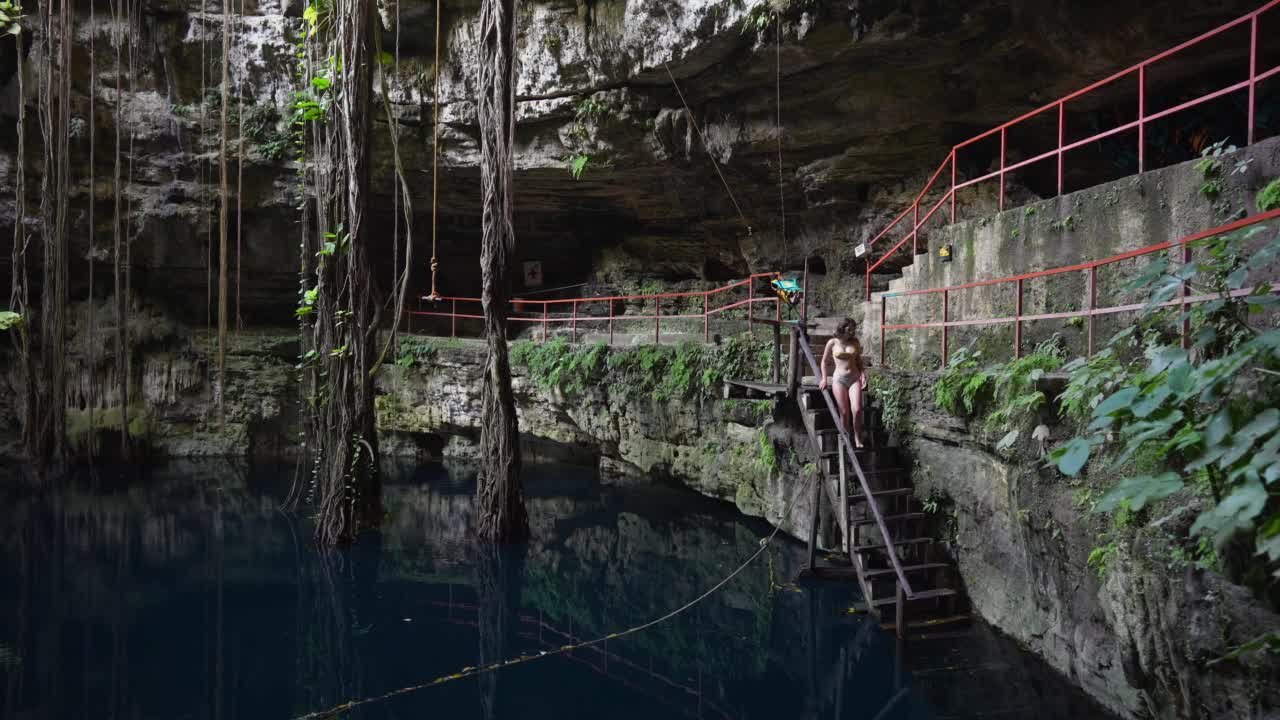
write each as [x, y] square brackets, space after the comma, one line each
[847, 446]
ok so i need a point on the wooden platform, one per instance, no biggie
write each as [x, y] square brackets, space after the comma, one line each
[752, 390]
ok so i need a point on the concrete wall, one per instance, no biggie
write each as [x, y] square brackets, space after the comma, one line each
[1090, 224]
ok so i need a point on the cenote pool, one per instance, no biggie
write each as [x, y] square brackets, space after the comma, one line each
[183, 591]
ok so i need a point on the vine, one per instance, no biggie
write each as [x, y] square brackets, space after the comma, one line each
[337, 314]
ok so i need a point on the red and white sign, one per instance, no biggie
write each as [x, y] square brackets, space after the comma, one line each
[533, 273]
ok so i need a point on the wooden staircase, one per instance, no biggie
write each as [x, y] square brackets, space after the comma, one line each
[886, 537]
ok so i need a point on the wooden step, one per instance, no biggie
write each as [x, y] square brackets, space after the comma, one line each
[891, 518]
[897, 543]
[907, 569]
[934, 594]
[857, 497]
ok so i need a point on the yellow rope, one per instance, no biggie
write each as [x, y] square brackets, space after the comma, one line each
[435, 164]
[472, 670]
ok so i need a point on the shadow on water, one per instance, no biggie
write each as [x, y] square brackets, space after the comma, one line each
[181, 591]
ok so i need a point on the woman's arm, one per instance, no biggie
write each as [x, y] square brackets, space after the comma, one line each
[826, 358]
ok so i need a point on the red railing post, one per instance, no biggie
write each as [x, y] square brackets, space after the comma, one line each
[1142, 119]
[751, 299]
[946, 318]
[544, 322]
[1186, 291]
[882, 318]
[1003, 141]
[610, 322]
[657, 320]
[1253, 74]
[1017, 323]
[575, 322]
[953, 186]
[453, 320]
[915, 227]
[867, 297]
[1062, 135]
[1093, 305]
[706, 317]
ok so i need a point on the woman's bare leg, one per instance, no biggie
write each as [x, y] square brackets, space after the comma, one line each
[855, 406]
[842, 402]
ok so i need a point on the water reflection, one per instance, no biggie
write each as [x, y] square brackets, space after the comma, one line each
[182, 592]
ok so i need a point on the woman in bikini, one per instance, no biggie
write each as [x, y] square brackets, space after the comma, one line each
[850, 377]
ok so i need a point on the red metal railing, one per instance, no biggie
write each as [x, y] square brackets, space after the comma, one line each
[1091, 312]
[1059, 107]
[569, 311]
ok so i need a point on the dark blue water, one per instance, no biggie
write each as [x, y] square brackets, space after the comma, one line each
[184, 592]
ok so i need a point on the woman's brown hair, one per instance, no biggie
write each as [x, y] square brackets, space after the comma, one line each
[848, 328]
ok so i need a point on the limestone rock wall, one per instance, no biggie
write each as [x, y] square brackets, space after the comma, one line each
[873, 95]
[1140, 636]
[705, 443]
[750, 454]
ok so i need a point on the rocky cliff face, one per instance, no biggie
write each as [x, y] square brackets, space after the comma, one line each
[749, 453]
[1139, 633]
[872, 94]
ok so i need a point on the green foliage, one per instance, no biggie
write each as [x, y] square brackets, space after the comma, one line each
[892, 396]
[308, 303]
[767, 12]
[1015, 394]
[1268, 642]
[588, 111]
[577, 164]
[10, 14]
[1206, 417]
[1269, 196]
[767, 459]
[557, 364]
[319, 16]
[1066, 224]
[760, 410]
[960, 384]
[417, 351]
[1008, 393]
[1099, 558]
[9, 320]
[1211, 168]
[655, 371]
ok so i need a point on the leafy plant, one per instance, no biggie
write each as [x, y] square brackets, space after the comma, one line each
[892, 396]
[1099, 558]
[1210, 166]
[960, 384]
[1207, 414]
[577, 164]
[9, 320]
[318, 15]
[659, 372]
[1066, 224]
[767, 458]
[308, 304]
[10, 14]
[416, 351]
[1015, 394]
[1269, 196]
